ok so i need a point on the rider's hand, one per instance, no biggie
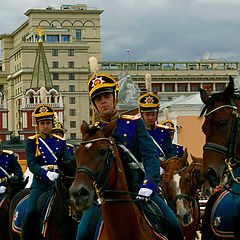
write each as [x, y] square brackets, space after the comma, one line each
[52, 175]
[144, 192]
[3, 189]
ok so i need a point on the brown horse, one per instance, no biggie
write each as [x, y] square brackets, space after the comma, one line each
[220, 153]
[99, 165]
[221, 128]
[180, 184]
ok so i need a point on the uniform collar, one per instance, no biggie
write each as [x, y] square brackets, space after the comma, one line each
[43, 135]
[110, 119]
[150, 127]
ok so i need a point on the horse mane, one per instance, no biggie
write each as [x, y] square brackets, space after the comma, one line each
[217, 97]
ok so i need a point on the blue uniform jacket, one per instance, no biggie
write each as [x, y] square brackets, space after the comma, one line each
[8, 161]
[131, 132]
[178, 150]
[162, 136]
[58, 147]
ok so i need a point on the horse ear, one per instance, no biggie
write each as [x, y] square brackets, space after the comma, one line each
[108, 130]
[204, 96]
[193, 158]
[163, 164]
[84, 127]
[229, 90]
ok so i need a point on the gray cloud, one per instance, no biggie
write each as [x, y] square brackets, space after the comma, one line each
[154, 29]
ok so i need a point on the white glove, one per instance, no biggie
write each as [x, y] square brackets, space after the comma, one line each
[145, 192]
[3, 189]
[52, 175]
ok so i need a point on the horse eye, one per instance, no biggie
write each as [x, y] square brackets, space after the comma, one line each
[103, 151]
[222, 123]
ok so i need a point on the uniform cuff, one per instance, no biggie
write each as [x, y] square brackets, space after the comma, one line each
[147, 183]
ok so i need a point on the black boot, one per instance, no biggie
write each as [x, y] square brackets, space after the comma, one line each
[236, 227]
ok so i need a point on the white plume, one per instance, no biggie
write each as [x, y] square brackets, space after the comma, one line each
[148, 81]
[55, 117]
[93, 65]
[165, 113]
[43, 94]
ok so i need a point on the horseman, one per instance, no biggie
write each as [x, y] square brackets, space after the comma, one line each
[149, 107]
[58, 129]
[43, 152]
[136, 148]
[8, 165]
[177, 148]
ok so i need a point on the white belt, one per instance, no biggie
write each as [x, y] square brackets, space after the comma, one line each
[49, 167]
[133, 165]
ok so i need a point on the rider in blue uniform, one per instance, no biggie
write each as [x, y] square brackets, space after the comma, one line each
[149, 107]
[43, 152]
[8, 165]
[178, 148]
[58, 129]
[131, 135]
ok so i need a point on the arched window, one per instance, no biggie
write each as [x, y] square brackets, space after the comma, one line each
[31, 98]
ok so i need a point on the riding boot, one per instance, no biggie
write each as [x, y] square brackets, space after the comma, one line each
[236, 227]
[30, 229]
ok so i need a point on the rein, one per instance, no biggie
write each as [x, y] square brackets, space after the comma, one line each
[231, 150]
[100, 179]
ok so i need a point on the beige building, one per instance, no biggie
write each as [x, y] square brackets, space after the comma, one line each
[72, 35]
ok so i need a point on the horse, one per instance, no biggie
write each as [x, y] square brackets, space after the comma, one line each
[14, 185]
[100, 170]
[220, 153]
[179, 185]
[59, 223]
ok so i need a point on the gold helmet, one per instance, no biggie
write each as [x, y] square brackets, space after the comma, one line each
[170, 124]
[148, 102]
[43, 112]
[58, 127]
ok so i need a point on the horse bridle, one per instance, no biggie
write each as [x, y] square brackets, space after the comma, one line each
[231, 150]
[101, 178]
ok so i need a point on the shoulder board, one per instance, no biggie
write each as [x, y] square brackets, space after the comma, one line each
[32, 137]
[59, 137]
[8, 151]
[130, 117]
[162, 126]
[177, 144]
[70, 145]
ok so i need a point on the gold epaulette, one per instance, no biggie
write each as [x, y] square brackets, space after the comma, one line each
[162, 126]
[177, 144]
[8, 151]
[59, 137]
[131, 117]
[70, 145]
[32, 137]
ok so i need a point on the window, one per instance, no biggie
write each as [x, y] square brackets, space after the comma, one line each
[70, 64]
[71, 88]
[70, 52]
[43, 38]
[52, 38]
[71, 76]
[72, 112]
[72, 100]
[54, 52]
[31, 99]
[56, 87]
[194, 87]
[182, 87]
[73, 136]
[157, 87]
[55, 64]
[65, 38]
[55, 76]
[169, 88]
[78, 34]
[220, 86]
[72, 124]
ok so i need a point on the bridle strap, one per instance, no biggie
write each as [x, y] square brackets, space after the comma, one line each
[215, 109]
[215, 147]
[96, 139]
[87, 170]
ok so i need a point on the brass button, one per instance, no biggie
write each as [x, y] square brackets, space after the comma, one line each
[56, 148]
[125, 143]
[125, 135]
[128, 122]
[43, 156]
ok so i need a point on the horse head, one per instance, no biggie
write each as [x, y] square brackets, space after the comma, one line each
[91, 158]
[221, 130]
[176, 185]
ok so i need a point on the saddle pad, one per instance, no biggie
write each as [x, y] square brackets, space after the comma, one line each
[19, 214]
[221, 216]
[20, 210]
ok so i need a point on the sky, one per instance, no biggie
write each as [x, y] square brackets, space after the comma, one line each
[152, 30]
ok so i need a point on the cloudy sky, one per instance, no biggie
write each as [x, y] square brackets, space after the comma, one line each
[153, 30]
